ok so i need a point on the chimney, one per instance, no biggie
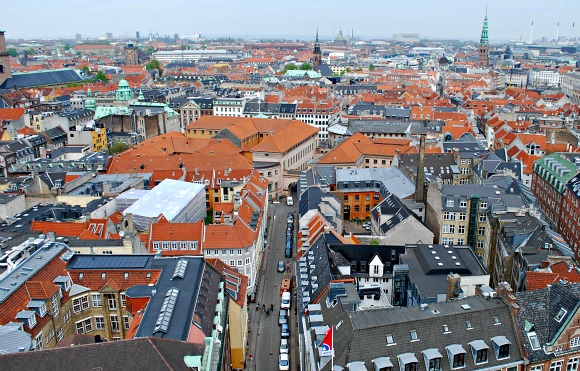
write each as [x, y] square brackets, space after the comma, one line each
[420, 181]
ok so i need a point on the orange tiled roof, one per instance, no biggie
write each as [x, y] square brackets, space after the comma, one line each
[92, 278]
[11, 113]
[558, 272]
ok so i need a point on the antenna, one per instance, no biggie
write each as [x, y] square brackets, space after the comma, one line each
[532, 33]
[557, 31]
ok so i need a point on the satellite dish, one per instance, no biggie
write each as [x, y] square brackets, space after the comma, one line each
[122, 233]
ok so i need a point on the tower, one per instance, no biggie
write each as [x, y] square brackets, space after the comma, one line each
[4, 60]
[483, 59]
[131, 56]
[316, 53]
[420, 181]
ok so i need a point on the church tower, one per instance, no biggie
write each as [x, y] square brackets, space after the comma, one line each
[131, 55]
[483, 59]
[316, 53]
[4, 60]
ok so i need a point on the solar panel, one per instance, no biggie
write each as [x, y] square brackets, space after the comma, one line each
[110, 262]
[166, 311]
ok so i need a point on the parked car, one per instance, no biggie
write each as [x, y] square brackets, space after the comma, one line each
[285, 331]
[289, 201]
[283, 346]
[285, 304]
[290, 218]
[284, 362]
[283, 317]
[288, 252]
[281, 267]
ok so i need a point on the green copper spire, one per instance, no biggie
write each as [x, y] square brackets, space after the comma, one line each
[484, 39]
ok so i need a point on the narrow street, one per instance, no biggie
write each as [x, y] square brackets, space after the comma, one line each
[264, 337]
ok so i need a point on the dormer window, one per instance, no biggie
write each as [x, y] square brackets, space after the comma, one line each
[468, 325]
[560, 315]
[501, 347]
[408, 362]
[446, 329]
[534, 341]
[456, 355]
[433, 359]
[479, 350]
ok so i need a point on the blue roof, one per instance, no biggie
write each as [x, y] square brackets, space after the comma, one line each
[109, 262]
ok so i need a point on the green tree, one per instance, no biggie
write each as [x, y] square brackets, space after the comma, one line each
[118, 147]
[209, 217]
[101, 76]
[305, 66]
[374, 242]
[371, 67]
[153, 65]
[31, 51]
[289, 67]
[67, 46]
[149, 50]
[12, 52]
[86, 70]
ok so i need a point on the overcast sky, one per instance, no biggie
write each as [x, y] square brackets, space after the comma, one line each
[453, 19]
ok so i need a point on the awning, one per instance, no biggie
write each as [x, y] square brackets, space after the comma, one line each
[478, 345]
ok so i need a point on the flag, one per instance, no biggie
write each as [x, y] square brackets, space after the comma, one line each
[327, 346]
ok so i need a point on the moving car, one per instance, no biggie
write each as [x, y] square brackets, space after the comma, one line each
[289, 201]
[283, 346]
[281, 266]
[284, 362]
[290, 218]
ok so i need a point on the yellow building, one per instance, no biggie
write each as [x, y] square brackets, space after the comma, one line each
[98, 139]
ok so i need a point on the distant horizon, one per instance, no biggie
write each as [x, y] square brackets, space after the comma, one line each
[254, 19]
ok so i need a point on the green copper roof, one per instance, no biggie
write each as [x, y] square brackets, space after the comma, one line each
[484, 38]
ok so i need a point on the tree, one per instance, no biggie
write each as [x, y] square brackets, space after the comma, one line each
[374, 242]
[153, 65]
[289, 67]
[371, 67]
[67, 46]
[149, 50]
[86, 70]
[209, 217]
[30, 51]
[305, 66]
[118, 148]
[12, 52]
[101, 76]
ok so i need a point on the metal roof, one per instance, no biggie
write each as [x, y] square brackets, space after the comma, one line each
[109, 262]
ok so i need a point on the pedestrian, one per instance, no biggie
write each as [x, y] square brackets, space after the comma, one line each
[263, 307]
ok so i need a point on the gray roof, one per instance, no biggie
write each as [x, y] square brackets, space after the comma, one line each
[441, 165]
[391, 205]
[538, 313]
[134, 354]
[386, 127]
[362, 334]
[14, 339]
[41, 78]
[389, 179]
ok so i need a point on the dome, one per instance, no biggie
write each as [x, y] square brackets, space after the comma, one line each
[123, 84]
[443, 60]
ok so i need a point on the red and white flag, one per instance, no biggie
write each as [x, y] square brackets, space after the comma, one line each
[327, 344]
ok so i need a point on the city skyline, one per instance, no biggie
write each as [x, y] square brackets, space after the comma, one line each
[250, 19]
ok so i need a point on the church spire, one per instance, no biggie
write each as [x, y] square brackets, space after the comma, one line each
[484, 38]
[317, 52]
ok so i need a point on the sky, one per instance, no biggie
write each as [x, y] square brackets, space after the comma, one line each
[292, 19]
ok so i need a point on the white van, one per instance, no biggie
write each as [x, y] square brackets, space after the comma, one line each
[285, 300]
[289, 201]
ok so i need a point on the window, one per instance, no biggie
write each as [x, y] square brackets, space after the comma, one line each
[99, 323]
[156, 245]
[482, 218]
[126, 322]
[481, 231]
[481, 356]
[449, 202]
[446, 329]
[414, 335]
[448, 228]
[468, 325]
[38, 341]
[556, 366]
[458, 360]
[123, 300]
[447, 241]
[534, 342]
[81, 303]
[480, 244]
[537, 368]
[462, 217]
[247, 260]
[97, 302]
[575, 342]
[390, 340]
[55, 308]
[84, 326]
[560, 315]
[111, 301]
[572, 364]
[174, 245]
[483, 204]
[411, 366]
[448, 215]
[435, 364]
[59, 335]
[463, 203]
[503, 351]
[114, 323]
[460, 241]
